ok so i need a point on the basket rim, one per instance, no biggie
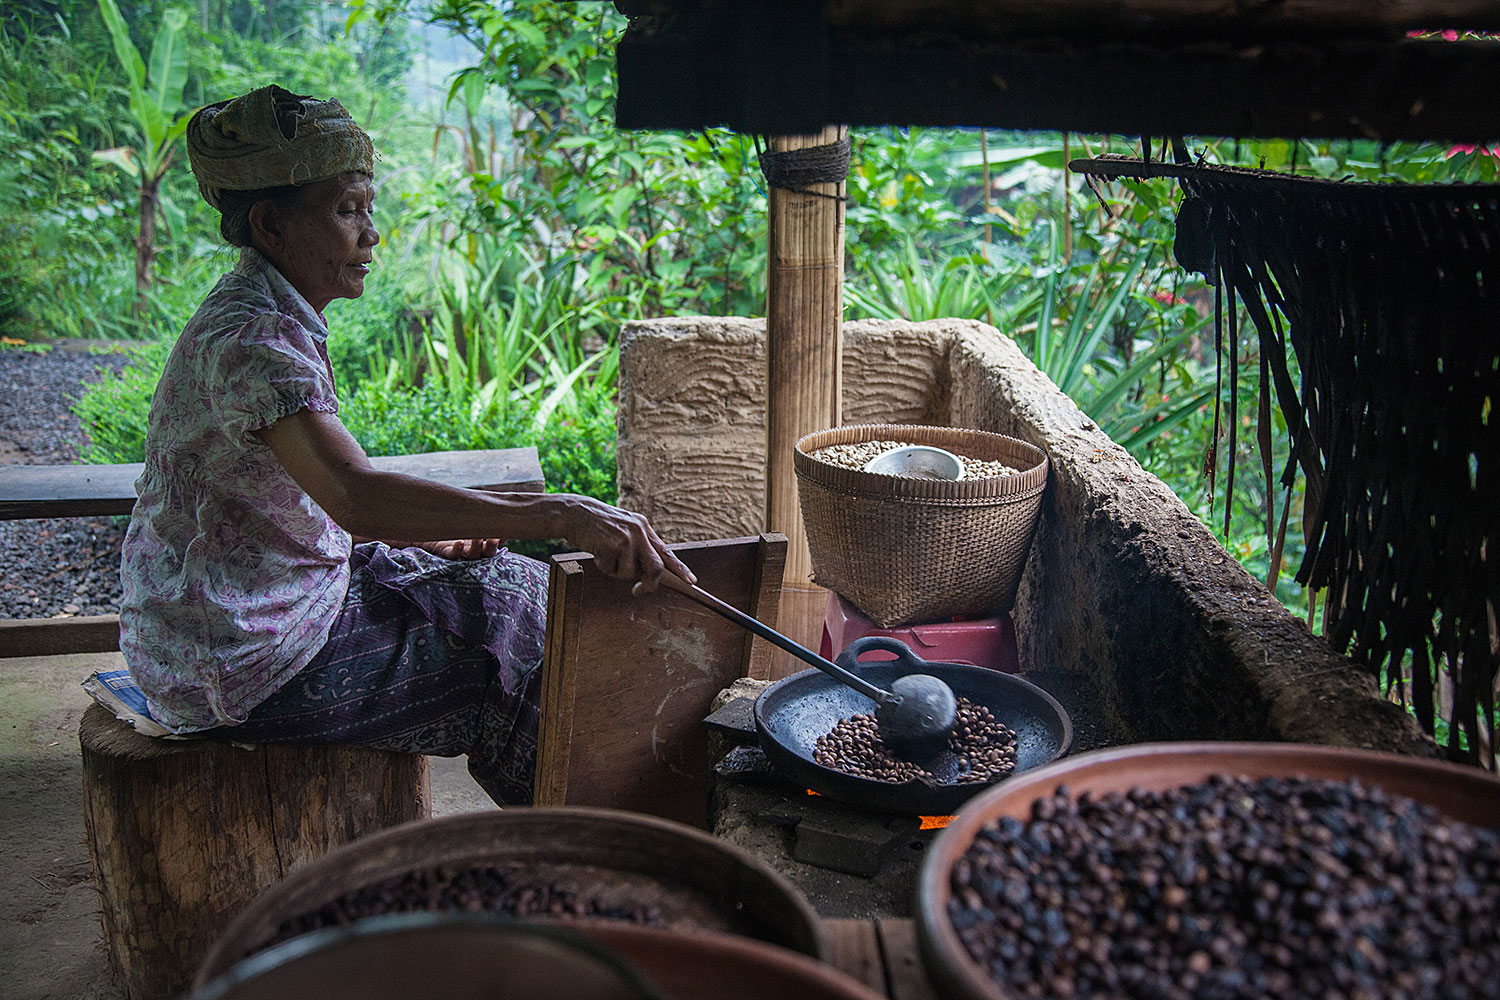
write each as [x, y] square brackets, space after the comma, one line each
[858, 482]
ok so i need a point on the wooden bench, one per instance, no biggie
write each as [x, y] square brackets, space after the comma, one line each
[35, 491]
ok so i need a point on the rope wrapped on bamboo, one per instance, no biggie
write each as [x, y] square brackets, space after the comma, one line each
[1389, 298]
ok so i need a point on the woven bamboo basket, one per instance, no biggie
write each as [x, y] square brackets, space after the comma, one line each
[906, 551]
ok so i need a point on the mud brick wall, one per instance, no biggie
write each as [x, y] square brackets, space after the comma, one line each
[1130, 611]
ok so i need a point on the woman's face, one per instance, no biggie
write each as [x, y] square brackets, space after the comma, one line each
[324, 245]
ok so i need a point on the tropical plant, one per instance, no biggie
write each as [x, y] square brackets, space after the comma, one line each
[113, 410]
[907, 286]
[156, 102]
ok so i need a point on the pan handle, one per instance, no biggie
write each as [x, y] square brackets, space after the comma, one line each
[849, 658]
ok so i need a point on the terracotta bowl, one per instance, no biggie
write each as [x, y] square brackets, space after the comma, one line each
[695, 880]
[1459, 792]
[427, 956]
[697, 965]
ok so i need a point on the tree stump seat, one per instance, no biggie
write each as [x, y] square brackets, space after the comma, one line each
[183, 833]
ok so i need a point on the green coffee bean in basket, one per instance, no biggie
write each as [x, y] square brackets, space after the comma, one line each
[859, 454]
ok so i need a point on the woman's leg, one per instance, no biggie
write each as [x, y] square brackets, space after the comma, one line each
[427, 656]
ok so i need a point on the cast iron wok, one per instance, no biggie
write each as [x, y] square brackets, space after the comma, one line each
[792, 713]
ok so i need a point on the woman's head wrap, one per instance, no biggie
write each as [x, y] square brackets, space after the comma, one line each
[272, 138]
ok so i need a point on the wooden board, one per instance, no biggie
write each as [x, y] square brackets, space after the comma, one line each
[627, 680]
[903, 961]
[854, 949]
[83, 490]
[52, 636]
[881, 953]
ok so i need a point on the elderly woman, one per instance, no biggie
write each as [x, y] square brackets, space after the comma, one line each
[265, 595]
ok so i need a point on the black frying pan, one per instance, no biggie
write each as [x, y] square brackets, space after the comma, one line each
[792, 713]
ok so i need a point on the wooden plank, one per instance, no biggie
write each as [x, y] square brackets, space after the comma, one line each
[559, 682]
[903, 961]
[854, 949]
[628, 680]
[66, 490]
[765, 603]
[500, 470]
[81, 490]
[51, 636]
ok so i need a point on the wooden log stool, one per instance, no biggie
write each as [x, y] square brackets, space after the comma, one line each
[183, 833]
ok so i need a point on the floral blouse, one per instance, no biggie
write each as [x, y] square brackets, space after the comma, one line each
[232, 575]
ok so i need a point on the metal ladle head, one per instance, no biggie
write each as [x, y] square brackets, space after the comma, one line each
[917, 722]
[914, 717]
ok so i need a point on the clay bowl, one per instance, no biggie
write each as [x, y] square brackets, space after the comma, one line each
[427, 956]
[696, 965]
[693, 880]
[1461, 793]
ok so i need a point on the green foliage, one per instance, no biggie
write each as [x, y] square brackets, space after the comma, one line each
[113, 411]
[155, 102]
[389, 420]
[577, 450]
[671, 222]
[62, 232]
[577, 453]
[155, 94]
[905, 285]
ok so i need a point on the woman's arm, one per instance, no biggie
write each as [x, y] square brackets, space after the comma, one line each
[322, 456]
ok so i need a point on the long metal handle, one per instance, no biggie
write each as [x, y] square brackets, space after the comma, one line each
[674, 582]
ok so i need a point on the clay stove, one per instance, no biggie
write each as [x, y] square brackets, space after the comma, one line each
[849, 861]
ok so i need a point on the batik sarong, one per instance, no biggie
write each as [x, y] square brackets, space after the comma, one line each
[427, 655]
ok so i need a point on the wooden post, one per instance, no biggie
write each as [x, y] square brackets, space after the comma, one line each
[804, 382]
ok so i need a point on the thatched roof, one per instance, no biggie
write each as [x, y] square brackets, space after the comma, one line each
[1252, 68]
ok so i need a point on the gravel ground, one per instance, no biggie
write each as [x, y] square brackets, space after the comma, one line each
[53, 566]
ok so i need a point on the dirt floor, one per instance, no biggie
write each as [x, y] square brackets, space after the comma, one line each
[49, 916]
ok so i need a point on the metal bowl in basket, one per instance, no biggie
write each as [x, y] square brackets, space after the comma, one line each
[910, 550]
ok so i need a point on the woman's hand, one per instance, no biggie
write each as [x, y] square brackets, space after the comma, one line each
[463, 548]
[624, 546]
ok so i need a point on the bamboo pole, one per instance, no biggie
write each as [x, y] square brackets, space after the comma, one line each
[804, 382]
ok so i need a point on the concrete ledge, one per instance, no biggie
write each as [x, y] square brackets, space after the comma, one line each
[1130, 611]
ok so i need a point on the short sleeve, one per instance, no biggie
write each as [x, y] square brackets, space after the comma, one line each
[269, 368]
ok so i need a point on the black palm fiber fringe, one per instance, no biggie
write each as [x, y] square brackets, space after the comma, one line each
[1391, 301]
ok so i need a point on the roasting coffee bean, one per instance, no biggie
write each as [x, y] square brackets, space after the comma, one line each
[985, 749]
[1231, 889]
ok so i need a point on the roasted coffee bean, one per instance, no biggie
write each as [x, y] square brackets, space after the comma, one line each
[1234, 888]
[984, 748]
[493, 889]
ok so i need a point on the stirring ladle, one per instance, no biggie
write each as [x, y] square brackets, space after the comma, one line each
[914, 717]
